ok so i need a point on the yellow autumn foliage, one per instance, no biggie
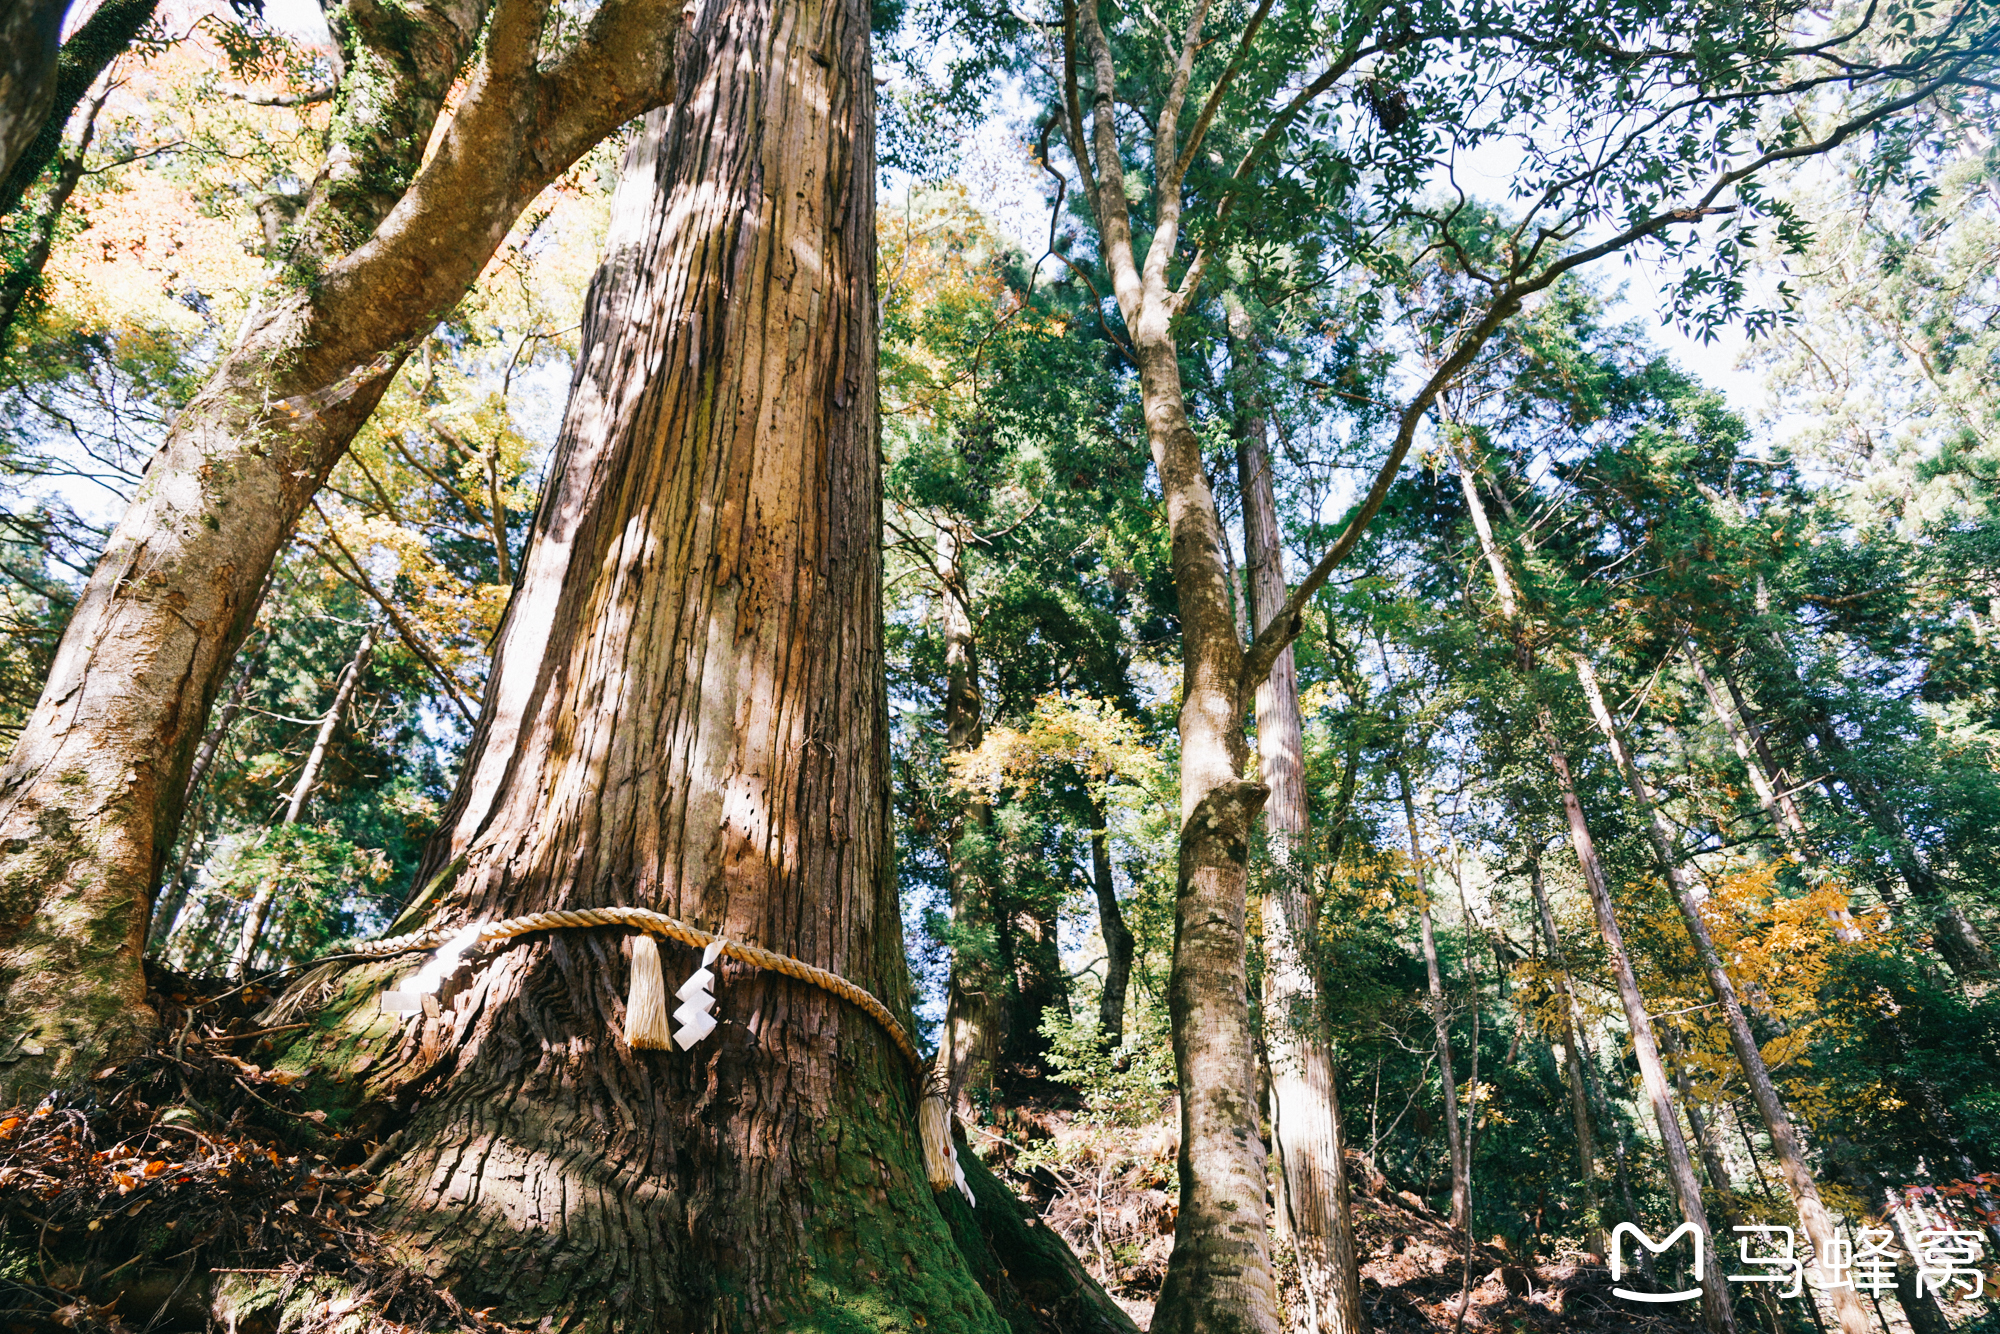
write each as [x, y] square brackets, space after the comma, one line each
[1090, 735]
[1780, 951]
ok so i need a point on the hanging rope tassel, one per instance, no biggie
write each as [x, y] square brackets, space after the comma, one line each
[646, 1020]
[934, 1125]
[934, 1121]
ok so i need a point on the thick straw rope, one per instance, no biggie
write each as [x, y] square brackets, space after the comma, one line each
[644, 919]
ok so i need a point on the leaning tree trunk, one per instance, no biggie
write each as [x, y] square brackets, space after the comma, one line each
[688, 713]
[1778, 803]
[1813, 1215]
[1313, 1203]
[28, 36]
[90, 799]
[1715, 1305]
[104, 37]
[1958, 942]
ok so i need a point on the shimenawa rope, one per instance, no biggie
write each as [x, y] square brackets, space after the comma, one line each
[645, 1011]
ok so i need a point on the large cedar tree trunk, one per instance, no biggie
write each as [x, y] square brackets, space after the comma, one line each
[687, 712]
[91, 797]
[1456, 1148]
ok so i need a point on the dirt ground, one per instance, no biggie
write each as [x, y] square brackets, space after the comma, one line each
[1106, 1190]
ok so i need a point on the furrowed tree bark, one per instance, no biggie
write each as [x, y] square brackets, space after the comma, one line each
[1579, 1091]
[687, 711]
[969, 1045]
[1314, 1209]
[1813, 1216]
[259, 909]
[90, 798]
[1716, 1312]
[1460, 1164]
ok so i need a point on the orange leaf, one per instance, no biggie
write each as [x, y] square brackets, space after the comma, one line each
[155, 1167]
[7, 1126]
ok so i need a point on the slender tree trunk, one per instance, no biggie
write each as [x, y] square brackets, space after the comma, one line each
[1781, 806]
[91, 796]
[1652, 1071]
[180, 878]
[1118, 941]
[259, 908]
[343, 694]
[1461, 1166]
[969, 1046]
[1038, 982]
[1706, 1142]
[687, 711]
[1813, 1216]
[1219, 1277]
[103, 37]
[1579, 1090]
[1715, 1302]
[1778, 803]
[1957, 940]
[1314, 1209]
[22, 277]
[218, 732]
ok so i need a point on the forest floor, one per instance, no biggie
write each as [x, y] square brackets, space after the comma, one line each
[202, 1163]
[1106, 1190]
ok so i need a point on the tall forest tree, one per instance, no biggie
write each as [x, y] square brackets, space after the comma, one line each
[1229, 131]
[387, 244]
[686, 713]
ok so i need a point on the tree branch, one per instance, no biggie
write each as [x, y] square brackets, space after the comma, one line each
[1286, 624]
[358, 576]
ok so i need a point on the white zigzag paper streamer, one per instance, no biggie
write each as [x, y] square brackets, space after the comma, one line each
[695, 1018]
